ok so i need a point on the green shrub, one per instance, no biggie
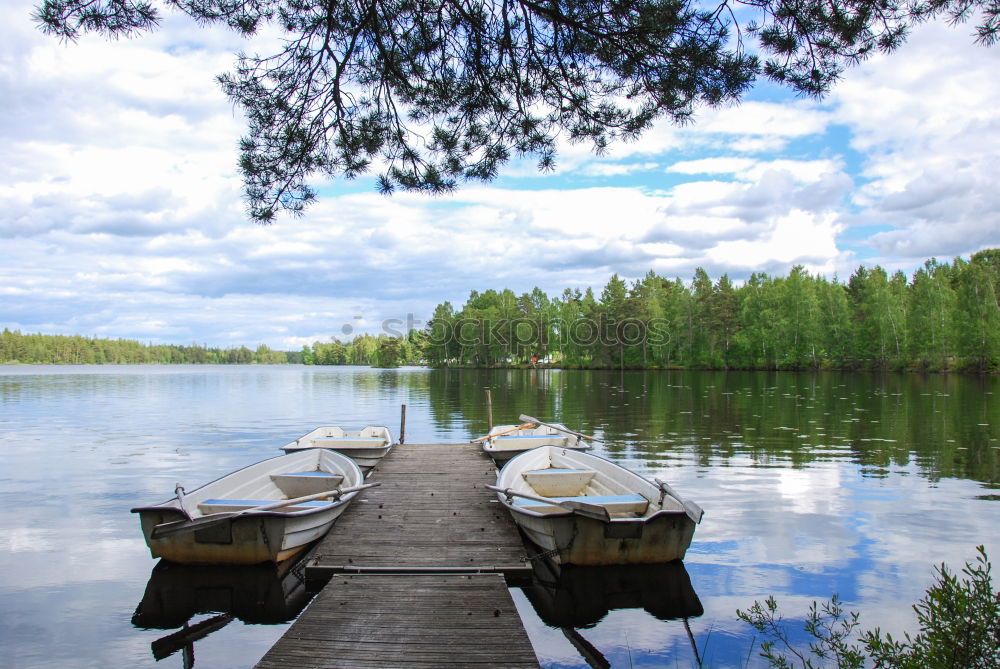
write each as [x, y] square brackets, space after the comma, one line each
[959, 623]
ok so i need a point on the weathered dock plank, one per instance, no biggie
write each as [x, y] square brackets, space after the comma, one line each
[406, 621]
[431, 513]
[416, 573]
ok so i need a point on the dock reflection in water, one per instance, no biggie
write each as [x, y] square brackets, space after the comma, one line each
[264, 594]
[572, 598]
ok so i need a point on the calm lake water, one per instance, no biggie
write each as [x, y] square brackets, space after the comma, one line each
[811, 484]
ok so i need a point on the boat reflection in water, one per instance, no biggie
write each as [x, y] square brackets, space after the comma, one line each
[572, 597]
[263, 594]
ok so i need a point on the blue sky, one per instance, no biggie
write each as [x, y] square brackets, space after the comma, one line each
[120, 209]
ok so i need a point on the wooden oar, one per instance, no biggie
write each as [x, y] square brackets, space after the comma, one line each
[591, 655]
[499, 434]
[693, 511]
[166, 646]
[529, 419]
[178, 526]
[594, 511]
[179, 492]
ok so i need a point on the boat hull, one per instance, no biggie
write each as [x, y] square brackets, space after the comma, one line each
[249, 539]
[366, 446]
[254, 536]
[643, 523]
[364, 458]
[502, 445]
[574, 539]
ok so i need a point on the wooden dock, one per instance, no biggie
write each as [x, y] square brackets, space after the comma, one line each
[416, 572]
[406, 620]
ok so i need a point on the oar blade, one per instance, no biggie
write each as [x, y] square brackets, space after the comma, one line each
[166, 646]
[693, 511]
[528, 419]
[525, 426]
[594, 511]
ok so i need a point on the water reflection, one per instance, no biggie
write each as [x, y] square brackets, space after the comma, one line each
[572, 598]
[264, 594]
[946, 424]
[812, 484]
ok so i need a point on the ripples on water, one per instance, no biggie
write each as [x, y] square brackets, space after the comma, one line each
[812, 485]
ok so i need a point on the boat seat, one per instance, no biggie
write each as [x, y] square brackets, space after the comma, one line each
[614, 504]
[337, 443]
[524, 443]
[528, 440]
[553, 482]
[300, 484]
[219, 505]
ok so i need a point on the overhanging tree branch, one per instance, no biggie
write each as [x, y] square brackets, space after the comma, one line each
[435, 92]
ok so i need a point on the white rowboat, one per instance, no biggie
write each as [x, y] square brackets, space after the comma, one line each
[505, 441]
[585, 510]
[232, 520]
[365, 446]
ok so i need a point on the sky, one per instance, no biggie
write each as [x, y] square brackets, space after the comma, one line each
[121, 213]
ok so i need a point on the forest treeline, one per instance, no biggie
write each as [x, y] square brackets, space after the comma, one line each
[378, 351]
[944, 317]
[40, 349]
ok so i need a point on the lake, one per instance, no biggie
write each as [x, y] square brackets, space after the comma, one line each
[812, 484]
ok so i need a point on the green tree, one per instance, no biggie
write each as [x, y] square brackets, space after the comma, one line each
[978, 316]
[648, 297]
[568, 321]
[676, 302]
[880, 316]
[797, 330]
[931, 316]
[389, 352]
[700, 335]
[724, 318]
[613, 313]
[835, 323]
[439, 349]
[588, 331]
[536, 316]
[443, 91]
[758, 313]
[989, 259]
[308, 356]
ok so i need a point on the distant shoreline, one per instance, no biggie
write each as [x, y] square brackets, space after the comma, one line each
[811, 370]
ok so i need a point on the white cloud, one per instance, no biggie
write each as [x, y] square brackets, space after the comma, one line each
[747, 169]
[797, 238]
[727, 165]
[766, 120]
[616, 169]
[120, 211]
[925, 120]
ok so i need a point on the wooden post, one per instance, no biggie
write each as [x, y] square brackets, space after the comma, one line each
[402, 425]
[489, 409]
